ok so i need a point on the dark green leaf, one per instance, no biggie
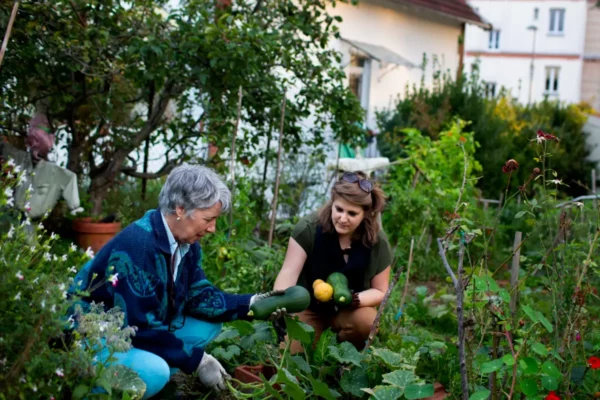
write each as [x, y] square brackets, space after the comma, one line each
[321, 389]
[80, 391]
[418, 391]
[290, 385]
[545, 322]
[492, 366]
[354, 380]
[399, 378]
[508, 360]
[345, 353]
[221, 353]
[528, 365]
[328, 338]
[301, 364]
[550, 369]
[300, 331]
[384, 393]
[272, 391]
[540, 349]
[244, 328]
[529, 387]
[549, 382]
[391, 359]
[480, 395]
[227, 335]
[530, 313]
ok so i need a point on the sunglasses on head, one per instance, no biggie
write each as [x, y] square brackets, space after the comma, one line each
[352, 177]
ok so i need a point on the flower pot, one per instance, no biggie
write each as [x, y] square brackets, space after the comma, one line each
[94, 234]
[439, 392]
[251, 373]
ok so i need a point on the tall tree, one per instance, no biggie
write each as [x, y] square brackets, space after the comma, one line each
[116, 74]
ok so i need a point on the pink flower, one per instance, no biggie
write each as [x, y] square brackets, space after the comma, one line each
[19, 276]
[59, 372]
[114, 279]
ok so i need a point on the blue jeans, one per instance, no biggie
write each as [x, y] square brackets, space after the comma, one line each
[152, 369]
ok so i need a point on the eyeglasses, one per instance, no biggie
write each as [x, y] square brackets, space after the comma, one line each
[352, 177]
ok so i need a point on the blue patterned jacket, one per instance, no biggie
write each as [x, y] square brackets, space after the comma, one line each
[140, 254]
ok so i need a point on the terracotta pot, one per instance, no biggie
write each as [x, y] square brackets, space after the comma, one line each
[251, 373]
[439, 392]
[94, 234]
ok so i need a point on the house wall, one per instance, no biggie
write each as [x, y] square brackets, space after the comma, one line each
[409, 35]
[590, 82]
[509, 65]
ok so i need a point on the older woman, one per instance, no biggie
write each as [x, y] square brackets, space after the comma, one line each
[344, 236]
[152, 271]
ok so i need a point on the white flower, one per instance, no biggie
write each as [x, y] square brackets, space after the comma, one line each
[11, 162]
[29, 189]
[10, 202]
[8, 192]
[11, 231]
[61, 286]
[10, 175]
[47, 256]
[54, 257]
[35, 281]
[540, 139]
[22, 179]
[43, 304]
[32, 248]
[579, 204]
[53, 308]
[59, 372]
[556, 181]
[26, 222]
[72, 248]
[19, 276]
[34, 388]
[40, 226]
[22, 380]
[73, 270]
[89, 252]
[17, 169]
[102, 326]
[114, 279]
[78, 343]
[64, 294]
[53, 236]
[18, 296]
[64, 257]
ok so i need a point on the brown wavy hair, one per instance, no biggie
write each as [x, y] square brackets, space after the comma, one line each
[372, 203]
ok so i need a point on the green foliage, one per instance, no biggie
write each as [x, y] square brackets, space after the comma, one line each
[504, 130]
[49, 347]
[115, 76]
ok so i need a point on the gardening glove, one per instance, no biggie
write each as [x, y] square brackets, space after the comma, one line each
[280, 329]
[261, 296]
[211, 373]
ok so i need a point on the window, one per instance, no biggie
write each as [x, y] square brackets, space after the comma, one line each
[494, 40]
[490, 90]
[536, 14]
[359, 77]
[557, 20]
[552, 75]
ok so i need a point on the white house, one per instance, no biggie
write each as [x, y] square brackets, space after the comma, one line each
[535, 49]
[384, 43]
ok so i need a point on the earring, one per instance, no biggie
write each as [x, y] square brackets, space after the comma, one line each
[178, 218]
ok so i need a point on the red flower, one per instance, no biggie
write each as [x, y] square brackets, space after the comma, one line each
[552, 396]
[594, 362]
[511, 165]
[541, 136]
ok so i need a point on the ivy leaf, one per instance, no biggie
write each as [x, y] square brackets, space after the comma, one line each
[540, 349]
[550, 369]
[346, 353]
[301, 364]
[549, 382]
[228, 354]
[400, 378]
[480, 395]
[492, 366]
[384, 393]
[529, 387]
[418, 391]
[327, 339]
[354, 380]
[300, 331]
[321, 389]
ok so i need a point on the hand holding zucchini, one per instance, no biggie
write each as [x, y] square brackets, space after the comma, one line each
[273, 304]
[341, 292]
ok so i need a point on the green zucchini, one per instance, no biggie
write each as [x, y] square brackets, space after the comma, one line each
[341, 292]
[294, 300]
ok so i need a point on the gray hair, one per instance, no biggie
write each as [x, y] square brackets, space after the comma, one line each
[193, 187]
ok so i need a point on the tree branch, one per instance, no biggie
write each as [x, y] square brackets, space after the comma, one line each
[165, 170]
